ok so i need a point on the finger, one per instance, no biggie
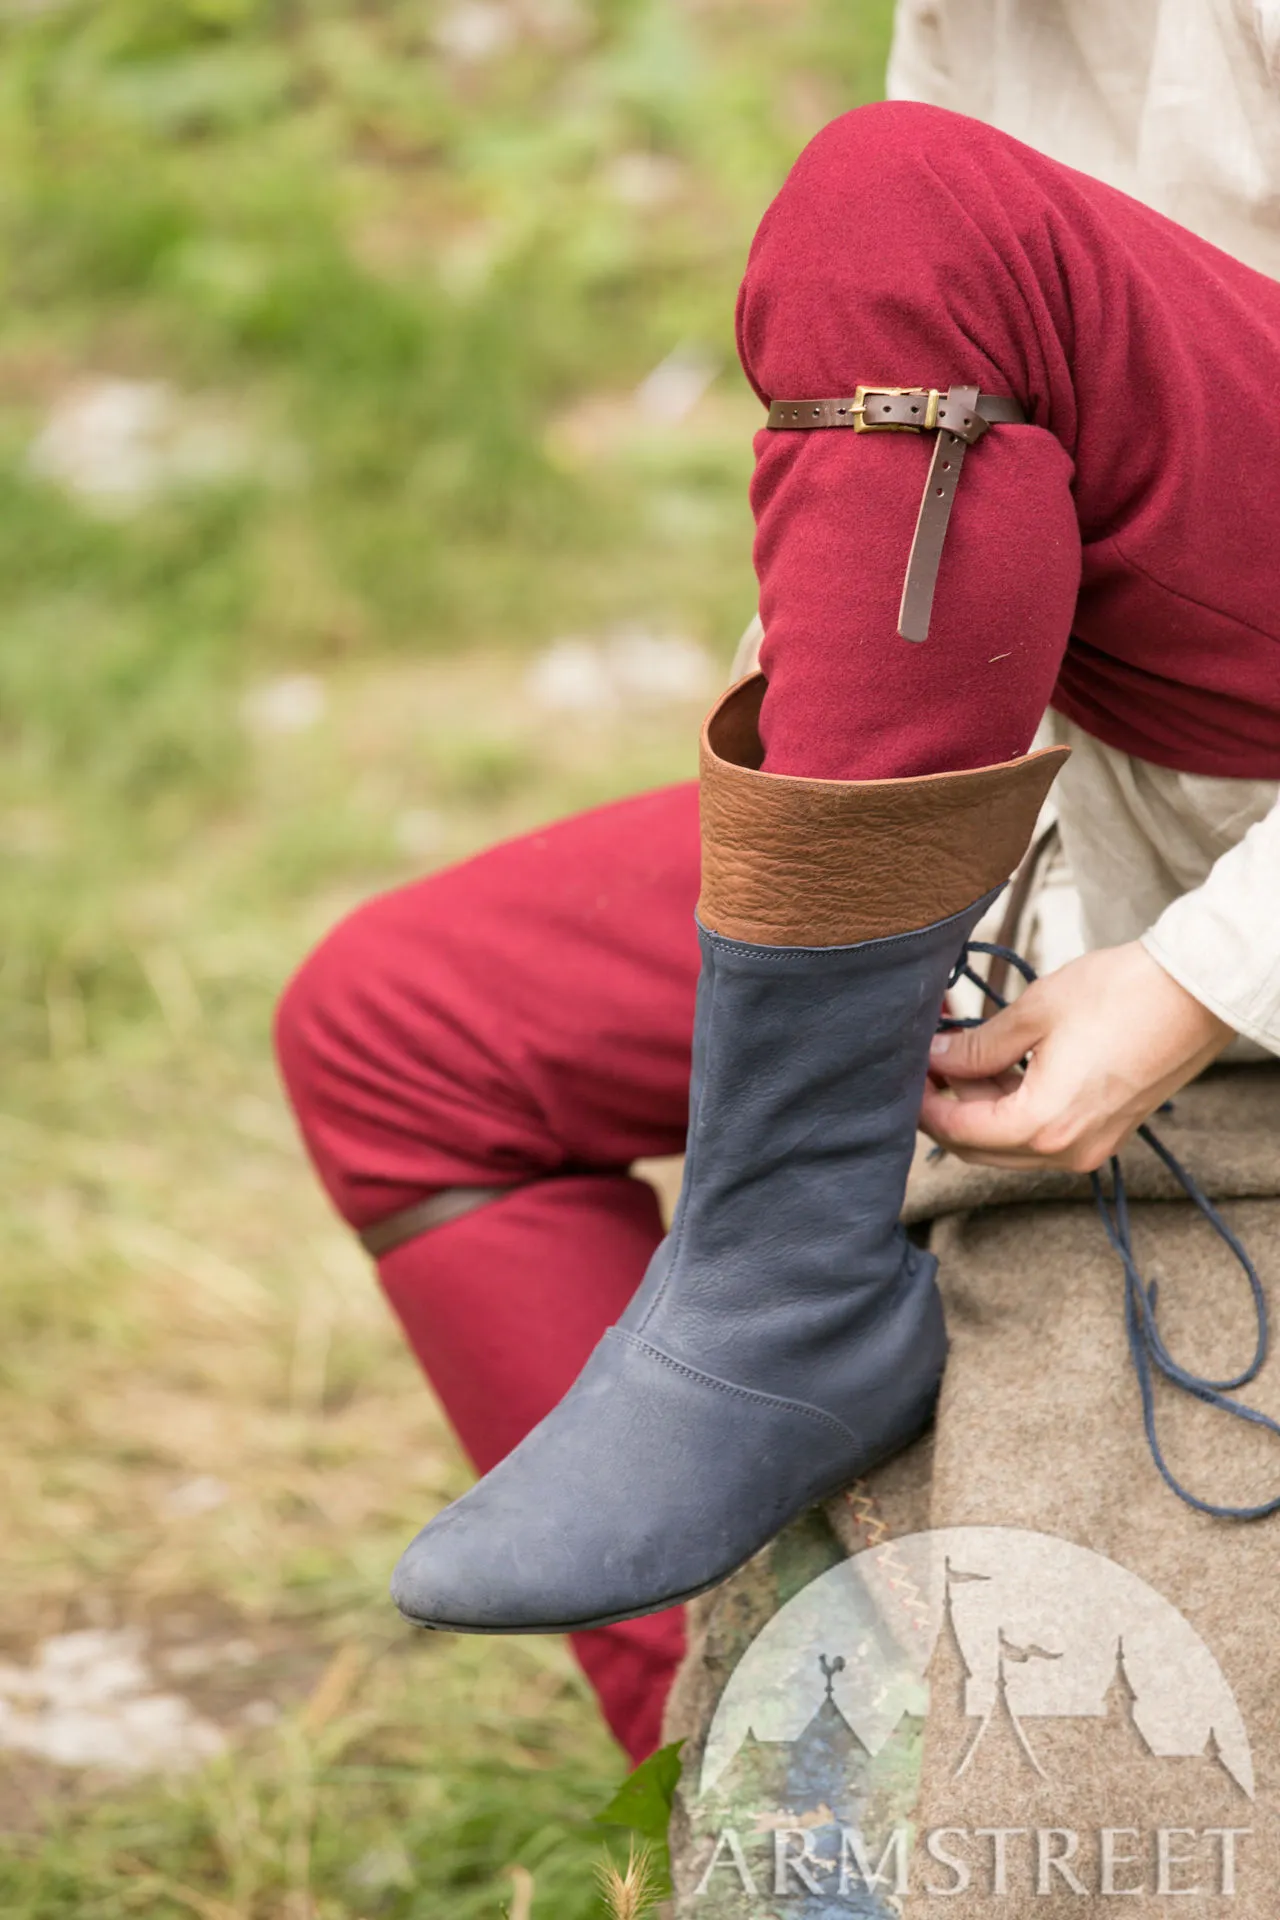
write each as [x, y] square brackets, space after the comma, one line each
[972, 1157]
[975, 1156]
[1007, 1162]
[1000, 1125]
[993, 1089]
[978, 1053]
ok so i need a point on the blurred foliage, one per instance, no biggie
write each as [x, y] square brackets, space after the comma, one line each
[396, 270]
[397, 242]
[314, 1829]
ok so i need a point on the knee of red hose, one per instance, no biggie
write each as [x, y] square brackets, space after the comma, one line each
[316, 1047]
[401, 1059]
[365, 1042]
[894, 252]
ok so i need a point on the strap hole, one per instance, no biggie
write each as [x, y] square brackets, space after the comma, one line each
[946, 466]
[941, 490]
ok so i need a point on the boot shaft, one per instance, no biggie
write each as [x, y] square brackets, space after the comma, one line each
[831, 917]
[809, 1065]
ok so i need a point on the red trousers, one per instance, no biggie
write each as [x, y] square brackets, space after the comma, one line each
[1117, 558]
[526, 1019]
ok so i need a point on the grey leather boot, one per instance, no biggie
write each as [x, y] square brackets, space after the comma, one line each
[787, 1335]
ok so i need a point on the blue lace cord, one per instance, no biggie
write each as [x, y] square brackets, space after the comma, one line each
[1147, 1348]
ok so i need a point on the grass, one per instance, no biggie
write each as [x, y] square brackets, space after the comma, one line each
[408, 264]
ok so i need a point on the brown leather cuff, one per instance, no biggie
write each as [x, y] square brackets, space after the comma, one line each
[827, 863]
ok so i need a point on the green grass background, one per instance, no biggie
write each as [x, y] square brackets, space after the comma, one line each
[423, 288]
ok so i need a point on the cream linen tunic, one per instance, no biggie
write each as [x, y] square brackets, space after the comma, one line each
[1178, 103]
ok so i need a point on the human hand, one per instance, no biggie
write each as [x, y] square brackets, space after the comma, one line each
[1110, 1036]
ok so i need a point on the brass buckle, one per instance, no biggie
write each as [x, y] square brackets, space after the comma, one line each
[862, 425]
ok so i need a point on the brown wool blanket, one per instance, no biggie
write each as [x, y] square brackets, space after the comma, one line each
[1011, 1673]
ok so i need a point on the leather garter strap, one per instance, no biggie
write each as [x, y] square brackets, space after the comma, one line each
[959, 418]
[450, 1203]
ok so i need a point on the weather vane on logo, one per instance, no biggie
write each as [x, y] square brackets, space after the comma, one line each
[830, 1668]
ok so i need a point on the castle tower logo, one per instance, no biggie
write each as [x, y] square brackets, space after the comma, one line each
[974, 1711]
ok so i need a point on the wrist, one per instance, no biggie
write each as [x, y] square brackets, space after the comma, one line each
[1193, 1022]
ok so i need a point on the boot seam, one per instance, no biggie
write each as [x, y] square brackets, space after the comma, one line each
[728, 1386]
[793, 953]
[692, 1157]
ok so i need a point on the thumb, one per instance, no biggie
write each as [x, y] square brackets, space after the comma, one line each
[980, 1053]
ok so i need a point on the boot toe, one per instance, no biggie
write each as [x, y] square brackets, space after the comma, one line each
[459, 1575]
[648, 1483]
